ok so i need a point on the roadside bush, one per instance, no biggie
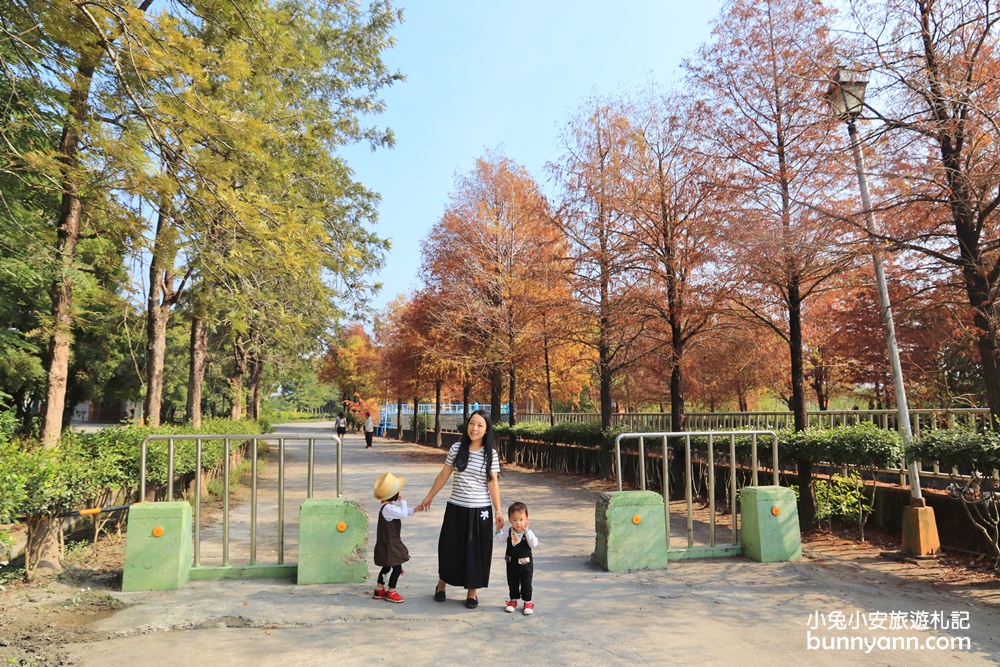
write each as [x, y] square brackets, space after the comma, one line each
[563, 433]
[43, 482]
[962, 448]
[972, 458]
[39, 482]
[842, 498]
[8, 425]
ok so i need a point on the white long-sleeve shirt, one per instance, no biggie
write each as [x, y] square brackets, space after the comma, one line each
[396, 511]
[528, 536]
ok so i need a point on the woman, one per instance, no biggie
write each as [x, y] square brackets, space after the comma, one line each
[472, 515]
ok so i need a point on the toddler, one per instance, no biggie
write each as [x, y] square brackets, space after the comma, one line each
[520, 563]
[390, 552]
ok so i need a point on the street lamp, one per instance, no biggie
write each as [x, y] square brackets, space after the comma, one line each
[846, 97]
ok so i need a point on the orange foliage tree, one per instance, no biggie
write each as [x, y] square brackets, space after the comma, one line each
[736, 366]
[939, 105]
[669, 201]
[762, 77]
[593, 216]
[401, 335]
[351, 364]
[492, 262]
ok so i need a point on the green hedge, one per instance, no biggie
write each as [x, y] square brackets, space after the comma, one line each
[861, 445]
[564, 433]
[960, 448]
[37, 482]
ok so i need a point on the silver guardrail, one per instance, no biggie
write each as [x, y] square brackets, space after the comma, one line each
[199, 439]
[688, 472]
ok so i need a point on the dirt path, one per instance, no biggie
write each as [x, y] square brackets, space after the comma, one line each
[731, 611]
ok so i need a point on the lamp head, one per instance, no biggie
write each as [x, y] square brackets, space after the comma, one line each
[846, 94]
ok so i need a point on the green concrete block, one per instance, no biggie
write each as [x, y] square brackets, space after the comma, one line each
[770, 524]
[158, 549]
[630, 531]
[333, 541]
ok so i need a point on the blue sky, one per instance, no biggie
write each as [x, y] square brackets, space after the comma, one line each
[503, 76]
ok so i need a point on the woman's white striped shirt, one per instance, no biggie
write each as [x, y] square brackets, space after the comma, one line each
[468, 487]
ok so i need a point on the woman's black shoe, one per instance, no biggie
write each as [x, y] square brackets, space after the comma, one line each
[439, 596]
[471, 603]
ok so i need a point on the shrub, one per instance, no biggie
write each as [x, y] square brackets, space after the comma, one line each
[841, 498]
[37, 482]
[958, 448]
[43, 482]
[976, 452]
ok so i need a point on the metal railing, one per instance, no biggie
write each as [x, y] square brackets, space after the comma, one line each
[199, 440]
[922, 419]
[689, 474]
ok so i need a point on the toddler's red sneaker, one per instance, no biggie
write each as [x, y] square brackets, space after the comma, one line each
[510, 606]
[393, 596]
[378, 594]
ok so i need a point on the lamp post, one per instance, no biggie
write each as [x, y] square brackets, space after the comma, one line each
[846, 97]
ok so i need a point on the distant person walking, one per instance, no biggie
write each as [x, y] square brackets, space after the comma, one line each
[341, 426]
[369, 430]
[472, 515]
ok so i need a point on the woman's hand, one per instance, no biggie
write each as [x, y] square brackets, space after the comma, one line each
[499, 520]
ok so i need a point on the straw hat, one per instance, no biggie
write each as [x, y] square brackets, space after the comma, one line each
[388, 485]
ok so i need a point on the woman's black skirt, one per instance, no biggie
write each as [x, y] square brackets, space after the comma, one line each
[465, 547]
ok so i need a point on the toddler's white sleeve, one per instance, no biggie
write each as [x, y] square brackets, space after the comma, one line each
[397, 510]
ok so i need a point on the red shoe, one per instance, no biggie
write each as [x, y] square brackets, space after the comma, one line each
[379, 594]
[529, 608]
[510, 606]
[393, 596]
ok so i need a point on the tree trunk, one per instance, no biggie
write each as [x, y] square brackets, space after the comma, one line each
[399, 418]
[950, 114]
[67, 237]
[496, 393]
[512, 395]
[42, 553]
[253, 388]
[437, 412]
[807, 504]
[236, 379]
[156, 349]
[416, 419]
[236, 391]
[606, 377]
[161, 298]
[196, 370]
[466, 393]
[678, 467]
[984, 317]
[548, 383]
[511, 414]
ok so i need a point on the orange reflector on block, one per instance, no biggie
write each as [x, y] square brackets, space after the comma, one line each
[636, 519]
[158, 531]
[775, 510]
[342, 526]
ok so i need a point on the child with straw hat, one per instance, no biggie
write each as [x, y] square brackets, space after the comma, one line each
[390, 552]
